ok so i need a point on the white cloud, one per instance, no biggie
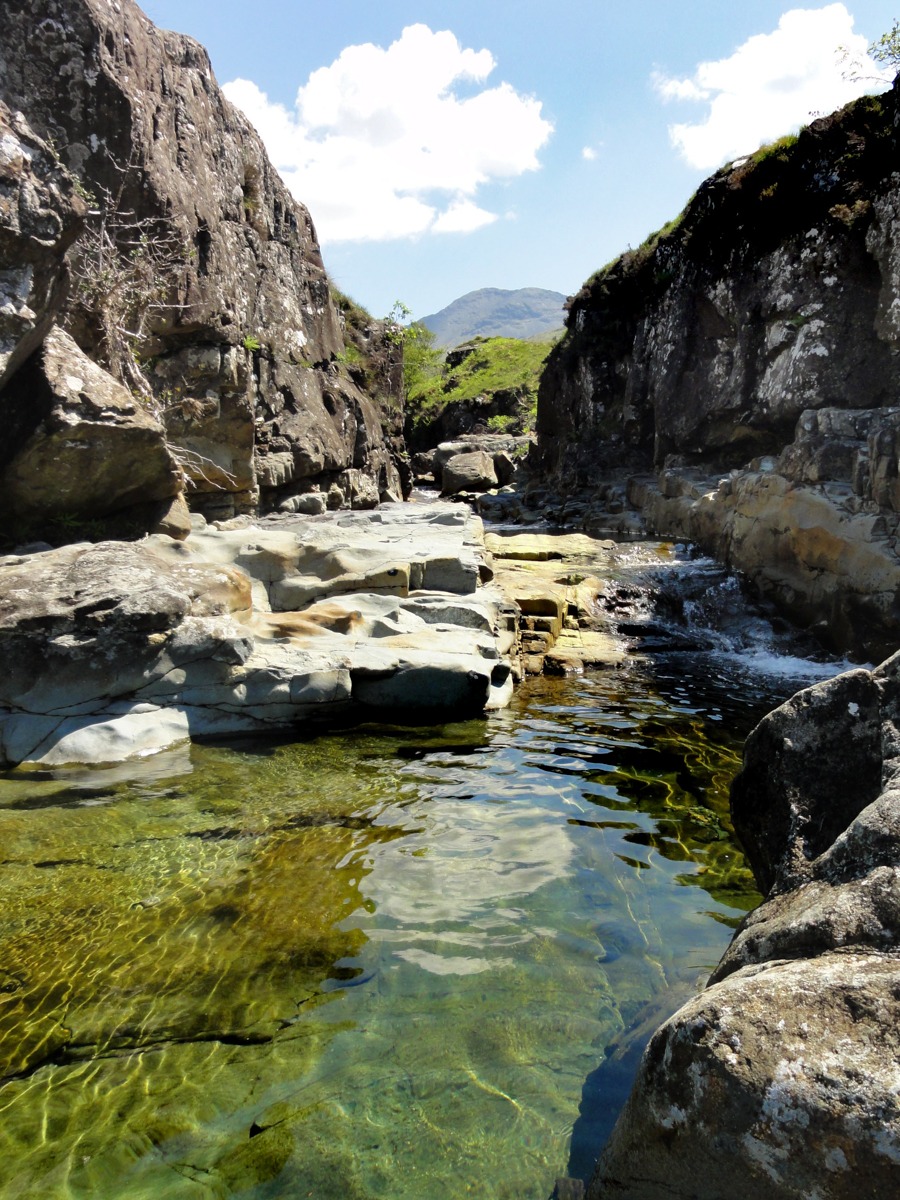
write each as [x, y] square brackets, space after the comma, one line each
[380, 146]
[588, 153]
[773, 83]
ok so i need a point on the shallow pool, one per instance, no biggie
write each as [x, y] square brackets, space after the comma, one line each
[384, 962]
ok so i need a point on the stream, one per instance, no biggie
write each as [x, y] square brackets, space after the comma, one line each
[415, 963]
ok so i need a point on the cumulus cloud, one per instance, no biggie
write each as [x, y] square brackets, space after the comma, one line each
[773, 83]
[588, 153]
[383, 144]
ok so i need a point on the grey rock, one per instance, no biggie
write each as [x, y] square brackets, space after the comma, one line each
[783, 1072]
[777, 1083]
[40, 216]
[473, 472]
[92, 448]
[125, 648]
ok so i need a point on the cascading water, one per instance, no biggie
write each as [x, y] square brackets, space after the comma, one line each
[388, 962]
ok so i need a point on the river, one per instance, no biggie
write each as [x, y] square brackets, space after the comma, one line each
[415, 963]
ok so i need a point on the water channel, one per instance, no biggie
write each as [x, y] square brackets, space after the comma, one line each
[411, 963]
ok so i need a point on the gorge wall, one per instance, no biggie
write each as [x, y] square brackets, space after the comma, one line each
[737, 377]
[208, 335]
[742, 367]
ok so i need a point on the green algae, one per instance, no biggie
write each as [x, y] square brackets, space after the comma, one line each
[369, 964]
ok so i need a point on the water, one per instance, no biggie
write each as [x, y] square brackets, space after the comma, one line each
[392, 962]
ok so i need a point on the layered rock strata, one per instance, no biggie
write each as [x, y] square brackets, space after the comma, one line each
[118, 649]
[816, 527]
[783, 1071]
[238, 347]
[757, 334]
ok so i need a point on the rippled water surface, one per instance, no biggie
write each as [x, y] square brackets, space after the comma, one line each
[392, 962]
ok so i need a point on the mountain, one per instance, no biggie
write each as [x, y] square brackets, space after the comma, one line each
[495, 312]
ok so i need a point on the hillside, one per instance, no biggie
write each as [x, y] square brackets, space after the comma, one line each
[488, 383]
[494, 312]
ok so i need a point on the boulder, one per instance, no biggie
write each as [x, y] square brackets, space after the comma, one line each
[473, 472]
[784, 1079]
[783, 1072]
[87, 447]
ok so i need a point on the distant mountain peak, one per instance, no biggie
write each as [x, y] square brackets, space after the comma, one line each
[497, 312]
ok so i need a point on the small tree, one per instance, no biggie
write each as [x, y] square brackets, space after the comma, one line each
[884, 50]
[125, 269]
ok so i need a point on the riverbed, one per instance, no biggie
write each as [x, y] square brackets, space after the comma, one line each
[406, 962]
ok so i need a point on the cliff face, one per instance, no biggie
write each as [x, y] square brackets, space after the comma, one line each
[241, 349]
[774, 292]
[733, 343]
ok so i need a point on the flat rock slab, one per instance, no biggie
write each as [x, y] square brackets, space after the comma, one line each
[120, 649]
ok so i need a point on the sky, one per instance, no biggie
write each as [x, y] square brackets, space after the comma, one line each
[444, 147]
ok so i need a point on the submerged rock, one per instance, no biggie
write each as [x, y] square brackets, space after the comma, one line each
[783, 1072]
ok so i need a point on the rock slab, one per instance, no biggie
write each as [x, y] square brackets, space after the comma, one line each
[119, 649]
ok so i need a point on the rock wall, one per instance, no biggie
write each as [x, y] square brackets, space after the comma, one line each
[241, 352]
[758, 335]
[783, 1072]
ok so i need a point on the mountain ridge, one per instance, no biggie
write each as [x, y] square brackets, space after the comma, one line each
[497, 312]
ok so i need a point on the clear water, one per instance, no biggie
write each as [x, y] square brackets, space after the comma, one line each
[389, 962]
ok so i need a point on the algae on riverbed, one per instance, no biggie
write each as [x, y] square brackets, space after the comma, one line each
[378, 963]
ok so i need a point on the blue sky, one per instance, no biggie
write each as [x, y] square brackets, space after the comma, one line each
[530, 147]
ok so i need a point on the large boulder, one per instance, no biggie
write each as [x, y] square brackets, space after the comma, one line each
[87, 447]
[41, 213]
[496, 464]
[783, 1072]
[472, 472]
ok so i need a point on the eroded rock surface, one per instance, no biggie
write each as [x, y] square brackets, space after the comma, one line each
[40, 216]
[117, 649]
[784, 1072]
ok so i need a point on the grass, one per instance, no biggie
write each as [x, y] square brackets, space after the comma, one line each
[494, 365]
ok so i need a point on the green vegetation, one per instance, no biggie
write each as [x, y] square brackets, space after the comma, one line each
[886, 49]
[423, 369]
[778, 149]
[350, 356]
[490, 367]
[251, 343]
[355, 316]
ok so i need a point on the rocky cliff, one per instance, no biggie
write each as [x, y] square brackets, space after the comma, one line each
[196, 281]
[744, 363]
